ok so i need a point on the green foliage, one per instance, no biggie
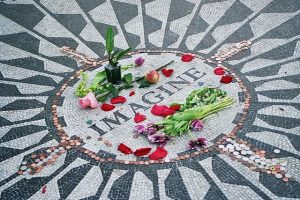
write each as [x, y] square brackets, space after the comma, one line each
[178, 124]
[82, 89]
[144, 83]
[114, 57]
[109, 40]
[128, 78]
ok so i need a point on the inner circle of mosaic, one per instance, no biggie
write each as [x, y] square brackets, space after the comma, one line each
[117, 126]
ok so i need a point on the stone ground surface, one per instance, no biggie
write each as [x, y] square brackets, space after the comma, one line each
[32, 71]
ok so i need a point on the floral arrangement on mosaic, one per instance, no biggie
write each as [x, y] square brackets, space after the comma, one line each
[178, 118]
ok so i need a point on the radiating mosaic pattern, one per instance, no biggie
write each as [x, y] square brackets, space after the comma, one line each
[32, 71]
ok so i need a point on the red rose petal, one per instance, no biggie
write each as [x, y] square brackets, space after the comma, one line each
[187, 58]
[226, 79]
[219, 71]
[124, 149]
[159, 153]
[44, 189]
[107, 107]
[175, 107]
[162, 110]
[142, 151]
[132, 93]
[139, 117]
[167, 72]
[118, 99]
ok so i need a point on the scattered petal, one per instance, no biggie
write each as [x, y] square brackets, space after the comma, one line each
[167, 72]
[187, 58]
[88, 101]
[132, 93]
[175, 107]
[139, 118]
[118, 99]
[142, 151]
[124, 149]
[44, 189]
[107, 107]
[159, 153]
[219, 71]
[226, 79]
[162, 110]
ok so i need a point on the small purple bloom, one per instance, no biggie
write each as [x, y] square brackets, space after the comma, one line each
[197, 125]
[160, 138]
[147, 129]
[197, 143]
[139, 61]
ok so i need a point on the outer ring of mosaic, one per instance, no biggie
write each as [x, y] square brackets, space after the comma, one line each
[63, 135]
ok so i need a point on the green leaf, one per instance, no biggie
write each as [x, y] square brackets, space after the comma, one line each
[122, 53]
[144, 83]
[128, 78]
[109, 40]
[115, 91]
[99, 78]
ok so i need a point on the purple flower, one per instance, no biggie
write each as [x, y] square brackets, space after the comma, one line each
[147, 129]
[160, 138]
[197, 125]
[139, 61]
[197, 143]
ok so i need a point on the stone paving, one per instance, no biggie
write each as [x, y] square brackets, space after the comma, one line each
[47, 151]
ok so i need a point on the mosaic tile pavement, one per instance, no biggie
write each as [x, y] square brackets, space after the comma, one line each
[253, 152]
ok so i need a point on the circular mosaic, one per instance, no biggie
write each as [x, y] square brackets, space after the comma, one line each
[106, 130]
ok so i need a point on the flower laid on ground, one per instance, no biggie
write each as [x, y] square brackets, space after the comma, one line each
[219, 71]
[139, 61]
[152, 77]
[88, 101]
[107, 107]
[162, 110]
[118, 99]
[124, 149]
[196, 125]
[187, 57]
[142, 151]
[159, 138]
[151, 131]
[197, 143]
[147, 129]
[159, 153]
[226, 79]
[139, 118]
[167, 72]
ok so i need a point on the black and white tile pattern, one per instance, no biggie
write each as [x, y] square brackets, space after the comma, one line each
[32, 69]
